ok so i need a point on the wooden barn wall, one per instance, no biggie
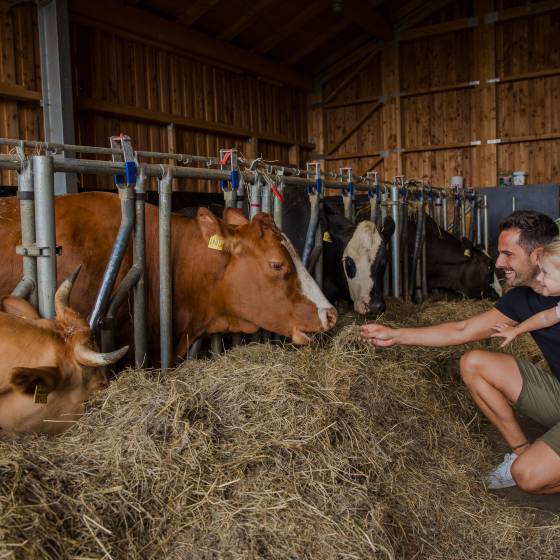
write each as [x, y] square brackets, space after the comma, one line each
[163, 98]
[439, 116]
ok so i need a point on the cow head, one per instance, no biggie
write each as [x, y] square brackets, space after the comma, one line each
[365, 260]
[263, 283]
[49, 367]
[479, 272]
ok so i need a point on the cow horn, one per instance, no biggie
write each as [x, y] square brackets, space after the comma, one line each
[63, 293]
[88, 357]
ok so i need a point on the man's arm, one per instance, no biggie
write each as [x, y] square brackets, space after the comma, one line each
[478, 327]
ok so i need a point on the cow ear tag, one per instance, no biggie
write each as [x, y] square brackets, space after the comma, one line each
[467, 253]
[41, 394]
[216, 242]
[327, 237]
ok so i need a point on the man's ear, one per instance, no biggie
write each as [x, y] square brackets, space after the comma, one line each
[25, 380]
[18, 307]
[536, 254]
[234, 217]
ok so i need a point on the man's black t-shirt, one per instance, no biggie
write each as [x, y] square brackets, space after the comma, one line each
[521, 303]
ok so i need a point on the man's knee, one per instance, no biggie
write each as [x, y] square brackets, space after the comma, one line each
[526, 476]
[471, 365]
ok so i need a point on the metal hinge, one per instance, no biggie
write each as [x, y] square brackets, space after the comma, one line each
[32, 250]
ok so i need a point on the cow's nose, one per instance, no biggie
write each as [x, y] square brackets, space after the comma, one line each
[376, 306]
[331, 317]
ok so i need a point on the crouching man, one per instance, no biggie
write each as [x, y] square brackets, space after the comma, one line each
[499, 383]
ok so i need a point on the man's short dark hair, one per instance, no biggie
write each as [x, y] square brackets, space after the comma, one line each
[535, 228]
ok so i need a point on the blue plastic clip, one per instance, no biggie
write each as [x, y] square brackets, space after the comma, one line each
[234, 179]
[223, 184]
[317, 185]
[118, 180]
[130, 172]
[350, 188]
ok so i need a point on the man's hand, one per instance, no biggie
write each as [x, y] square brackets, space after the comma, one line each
[505, 331]
[378, 335]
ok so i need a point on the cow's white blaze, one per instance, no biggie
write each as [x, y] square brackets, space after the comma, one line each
[309, 287]
[362, 249]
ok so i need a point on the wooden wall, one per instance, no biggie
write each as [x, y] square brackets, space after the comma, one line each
[440, 116]
[164, 98]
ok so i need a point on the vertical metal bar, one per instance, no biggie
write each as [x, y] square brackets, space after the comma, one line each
[43, 180]
[139, 258]
[165, 286]
[463, 216]
[254, 198]
[386, 281]
[27, 218]
[395, 244]
[424, 262]
[478, 204]
[318, 271]
[485, 207]
[404, 245]
[444, 217]
[266, 200]
[278, 206]
[56, 80]
[513, 203]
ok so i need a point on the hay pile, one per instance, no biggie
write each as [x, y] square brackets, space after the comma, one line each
[339, 451]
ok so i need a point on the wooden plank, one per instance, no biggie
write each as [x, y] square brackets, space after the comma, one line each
[18, 93]
[195, 11]
[354, 128]
[438, 29]
[439, 89]
[159, 117]
[282, 32]
[425, 10]
[529, 138]
[352, 156]
[121, 19]
[345, 55]
[531, 75]
[359, 101]
[244, 20]
[437, 147]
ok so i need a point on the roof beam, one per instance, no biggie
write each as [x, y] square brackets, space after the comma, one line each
[422, 13]
[367, 18]
[320, 39]
[118, 18]
[244, 21]
[307, 14]
[195, 11]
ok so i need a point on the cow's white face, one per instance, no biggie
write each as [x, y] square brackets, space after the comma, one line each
[358, 259]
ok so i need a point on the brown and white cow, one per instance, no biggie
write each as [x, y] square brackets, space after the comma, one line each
[250, 279]
[48, 367]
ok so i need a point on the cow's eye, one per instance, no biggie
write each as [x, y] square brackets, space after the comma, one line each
[350, 267]
[276, 265]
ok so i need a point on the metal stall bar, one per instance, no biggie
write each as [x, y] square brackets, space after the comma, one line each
[165, 284]
[278, 190]
[486, 224]
[386, 280]
[348, 194]
[395, 241]
[478, 203]
[424, 261]
[404, 241]
[27, 287]
[444, 212]
[373, 197]
[314, 200]
[43, 181]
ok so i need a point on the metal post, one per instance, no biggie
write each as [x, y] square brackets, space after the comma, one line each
[404, 243]
[444, 217]
[139, 258]
[255, 198]
[348, 194]
[56, 80]
[373, 197]
[386, 281]
[486, 238]
[27, 288]
[513, 203]
[438, 209]
[424, 262]
[43, 181]
[478, 203]
[278, 201]
[165, 286]
[463, 216]
[312, 228]
[395, 243]
[266, 199]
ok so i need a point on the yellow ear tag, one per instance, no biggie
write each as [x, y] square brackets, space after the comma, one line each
[41, 394]
[467, 253]
[327, 237]
[216, 242]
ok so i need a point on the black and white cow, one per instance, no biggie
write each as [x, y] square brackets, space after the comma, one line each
[354, 261]
[454, 264]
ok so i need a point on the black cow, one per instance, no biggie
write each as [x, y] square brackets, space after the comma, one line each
[454, 264]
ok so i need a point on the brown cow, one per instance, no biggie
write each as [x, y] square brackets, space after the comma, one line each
[252, 278]
[48, 367]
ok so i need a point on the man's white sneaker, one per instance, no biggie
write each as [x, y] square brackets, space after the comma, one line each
[501, 477]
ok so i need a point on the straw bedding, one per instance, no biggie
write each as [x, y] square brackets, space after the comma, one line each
[333, 451]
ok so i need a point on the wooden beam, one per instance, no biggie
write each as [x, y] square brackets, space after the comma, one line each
[437, 147]
[438, 29]
[374, 165]
[116, 110]
[352, 102]
[354, 129]
[352, 156]
[195, 11]
[330, 69]
[367, 18]
[284, 31]
[18, 93]
[423, 11]
[120, 19]
[440, 89]
[530, 75]
[332, 95]
[526, 10]
[245, 20]
[530, 138]
[318, 40]
[407, 9]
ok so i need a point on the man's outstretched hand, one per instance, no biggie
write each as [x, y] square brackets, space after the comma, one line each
[378, 335]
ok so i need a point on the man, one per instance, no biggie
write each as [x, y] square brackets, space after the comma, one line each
[500, 383]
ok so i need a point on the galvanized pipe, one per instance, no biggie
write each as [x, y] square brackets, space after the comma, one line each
[139, 260]
[374, 207]
[444, 216]
[254, 198]
[165, 274]
[348, 203]
[386, 280]
[27, 218]
[311, 235]
[404, 244]
[478, 202]
[278, 207]
[416, 272]
[395, 244]
[486, 225]
[115, 259]
[424, 261]
[43, 181]
[266, 199]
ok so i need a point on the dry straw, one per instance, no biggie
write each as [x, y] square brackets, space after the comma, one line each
[333, 451]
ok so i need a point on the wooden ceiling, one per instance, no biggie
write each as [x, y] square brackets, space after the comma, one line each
[307, 35]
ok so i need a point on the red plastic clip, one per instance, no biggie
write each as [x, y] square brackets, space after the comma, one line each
[276, 192]
[227, 155]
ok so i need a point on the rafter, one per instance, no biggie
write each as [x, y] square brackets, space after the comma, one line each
[195, 11]
[244, 21]
[422, 13]
[367, 18]
[307, 14]
[320, 39]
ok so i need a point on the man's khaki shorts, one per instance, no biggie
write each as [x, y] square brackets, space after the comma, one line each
[540, 400]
